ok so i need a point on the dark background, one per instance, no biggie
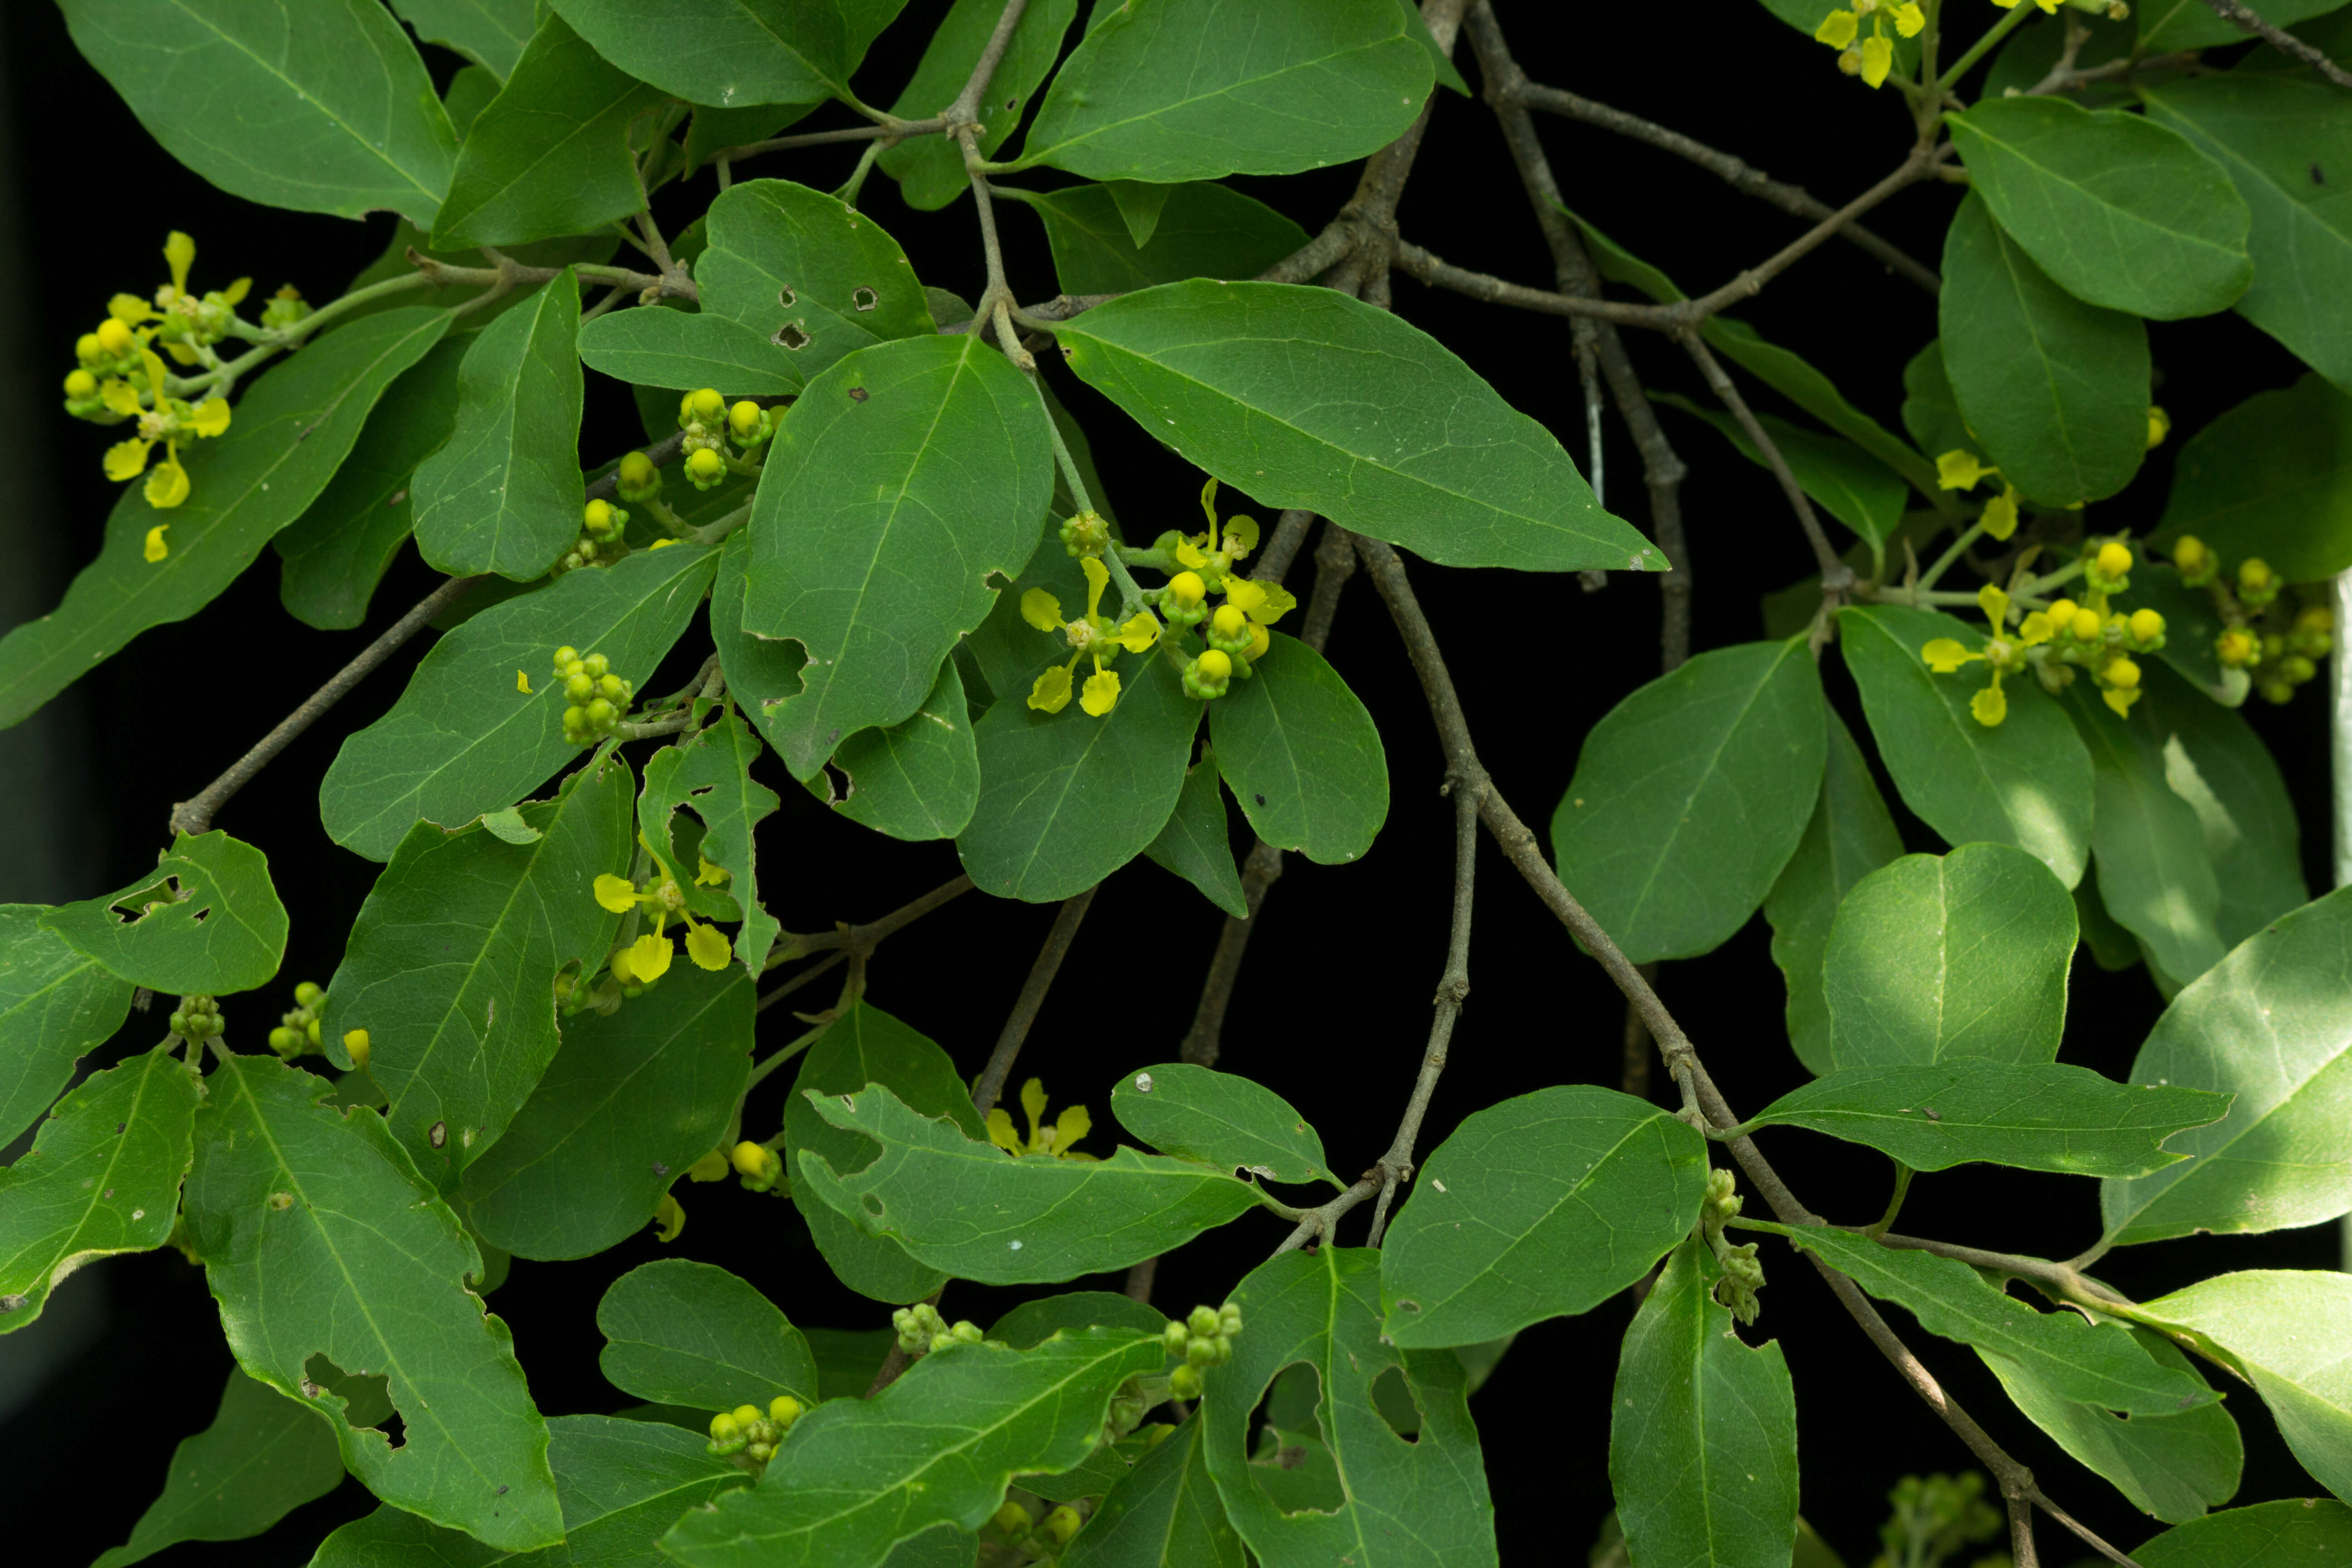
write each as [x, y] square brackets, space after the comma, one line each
[1332, 1008]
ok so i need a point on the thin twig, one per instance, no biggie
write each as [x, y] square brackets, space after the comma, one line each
[2279, 38]
[1836, 575]
[991, 1086]
[897, 131]
[861, 941]
[1276, 554]
[830, 961]
[2065, 79]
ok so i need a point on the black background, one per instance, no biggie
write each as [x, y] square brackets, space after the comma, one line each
[1332, 1005]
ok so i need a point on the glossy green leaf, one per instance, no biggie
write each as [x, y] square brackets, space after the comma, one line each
[2270, 1024]
[2290, 1333]
[1066, 798]
[2025, 782]
[55, 1004]
[462, 740]
[1850, 836]
[1139, 207]
[1165, 1513]
[868, 1046]
[451, 966]
[918, 779]
[551, 154]
[682, 350]
[1197, 844]
[207, 921]
[1205, 230]
[490, 33]
[711, 775]
[1220, 1119]
[2056, 389]
[735, 52]
[504, 494]
[681, 1332]
[1690, 796]
[2272, 478]
[1418, 1504]
[1702, 1431]
[2098, 1364]
[929, 169]
[2268, 133]
[2215, 761]
[103, 1177]
[2169, 24]
[2286, 1534]
[1032, 1322]
[1302, 756]
[2039, 1116]
[967, 1208]
[630, 1102]
[2116, 209]
[2154, 875]
[1935, 958]
[1571, 1194]
[898, 482]
[323, 109]
[1196, 90]
[1423, 454]
[1852, 486]
[291, 433]
[320, 1239]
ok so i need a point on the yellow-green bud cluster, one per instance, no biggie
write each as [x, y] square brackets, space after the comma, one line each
[1044, 1537]
[2258, 585]
[2290, 659]
[1208, 674]
[1086, 534]
[921, 1330]
[751, 1432]
[297, 1031]
[1204, 1338]
[706, 423]
[596, 698]
[760, 1166]
[636, 478]
[2280, 643]
[1185, 602]
[196, 1018]
[1742, 1275]
[284, 308]
[2197, 565]
[749, 425]
[600, 541]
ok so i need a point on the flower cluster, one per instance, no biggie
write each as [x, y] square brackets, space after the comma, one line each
[1059, 1140]
[600, 542]
[196, 1018]
[922, 1330]
[749, 1432]
[1873, 56]
[1743, 1274]
[1963, 471]
[2279, 641]
[594, 698]
[647, 959]
[1204, 1338]
[2057, 641]
[709, 422]
[1020, 1529]
[297, 1031]
[1090, 635]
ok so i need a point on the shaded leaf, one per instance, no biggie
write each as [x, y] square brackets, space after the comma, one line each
[1197, 844]
[1032, 1322]
[55, 1004]
[1164, 1513]
[918, 779]
[2215, 761]
[929, 169]
[709, 773]
[2169, 24]
[2271, 477]
[490, 33]
[1205, 230]
[735, 52]
[208, 921]
[1851, 485]
[681, 1332]
[1220, 1119]
[1302, 756]
[2154, 875]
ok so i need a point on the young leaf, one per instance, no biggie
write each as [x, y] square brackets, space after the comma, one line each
[2039, 1116]
[490, 33]
[462, 740]
[2215, 761]
[207, 921]
[103, 1177]
[929, 169]
[1571, 1191]
[919, 778]
[2154, 875]
[732, 52]
[2271, 477]
[2267, 1535]
[2270, 1024]
[630, 1102]
[2290, 1333]
[1690, 796]
[452, 963]
[2056, 389]
[1220, 1119]
[505, 494]
[1196, 90]
[291, 433]
[335, 115]
[1164, 1513]
[969, 1209]
[1197, 844]
[1961, 955]
[1417, 1504]
[681, 1332]
[1422, 452]
[1302, 756]
[2025, 782]
[1702, 1431]
[1205, 230]
[711, 775]
[320, 1239]
[55, 1004]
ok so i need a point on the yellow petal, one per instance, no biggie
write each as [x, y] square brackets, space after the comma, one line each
[1995, 606]
[669, 1218]
[154, 364]
[1051, 694]
[211, 417]
[180, 252]
[1878, 59]
[1032, 1102]
[706, 946]
[2119, 699]
[182, 354]
[2039, 628]
[130, 310]
[1837, 29]
[1098, 579]
[616, 893]
[1273, 603]
[1945, 655]
[1140, 632]
[1989, 706]
[235, 292]
[120, 396]
[1240, 534]
[650, 958]
[1073, 1124]
[1101, 692]
[710, 1168]
[1999, 516]
[522, 683]
[707, 875]
[126, 460]
[1244, 594]
[156, 549]
[1042, 610]
[1909, 19]
[167, 487]
[1191, 554]
[1959, 470]
[1000, 1131]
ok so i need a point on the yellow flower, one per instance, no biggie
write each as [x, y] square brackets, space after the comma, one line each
[1999, 516]
[1878, 59]
[1092, 636]
[1837, 29]
[164, 419]
[1101, 692]
[644, 961]
[1261, 601]
[2004, 652]
[707, 875]
[156, 549]
[2048, 7]
[1959, 469]
[1060, 1140]
[1051, 693]
[647, 959]
[617, 894]
[1217, 550]
[707, 947]
[710, 1168]
[1870, 57]
[355, 1046]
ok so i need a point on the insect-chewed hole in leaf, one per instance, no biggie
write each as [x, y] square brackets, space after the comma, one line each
[865, 298]
[786, 297]
[156, 897]
[1289, 1462]
[790, 335]
[365, 1399]
[1392, 1398]
[838, 784]
[872, 1204]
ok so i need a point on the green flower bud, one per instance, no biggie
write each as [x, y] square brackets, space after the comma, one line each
[285, 1041]
[725, 1428]
[783, 1410]
[179, 1022]
[1063, 1523]
[602, 714]
[1201, 1350]
[1012, 1520]
[1184, 1383]
[1176, 1335]
[763, 1452]
[578, 688]
[612, 686]
[563, 658]
[967, 1333]
[1229, 1320]
[1202, 1320]
[596, 665]
[307, 994]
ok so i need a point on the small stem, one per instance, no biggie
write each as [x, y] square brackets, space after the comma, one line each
[1903, 1174]
[991, 1086]
[1977, 51]
[1943, 563]
[830, 961]
[787, 1054]
[1837, 577]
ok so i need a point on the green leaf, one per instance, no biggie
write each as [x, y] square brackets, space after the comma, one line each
[1205, 230]
[681, 1332]
[2268, 133]
[2025, 782]
[1139, 207]
[2116, 209]
[682, 350]
[711, 775]
[504, 495]
[929, 169]
[2192, 623]
[103, 1177]
[1005, 651]
[1850, 836]
[1034, 1323]
[1302, 756]
[2039, 1116]
[2215, 761]
[2271, 477]
[1220, 1119]
[291, 433]
[848, 1359]
[1852, 486]
[2056, 389]
[714, 130]
[2174, 1467]
[551, 154]
[1934, 958]
[1197, 844]
[735, 52]
[918, 779]
[2270, 1024]
[630, 1102]
[55, 1004]
[761, 674]
[451, 966]
[2289, 1331]
[2154, 875]
[334, 115]
[462, 740]
[320, 1239]
[335, 553]
[1703, 1430]
[909, 474]
[1418, 1504]
[490, 33]
[207, 921]
[2267, 1535]
[1690, 796]
[1930, 411]
[1573, 1192]
[867, 1046]
[1196, 90]
[1164, 1513]
[970, 1209]
[2169, 24]
[1422, 452]
[1418, 30]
